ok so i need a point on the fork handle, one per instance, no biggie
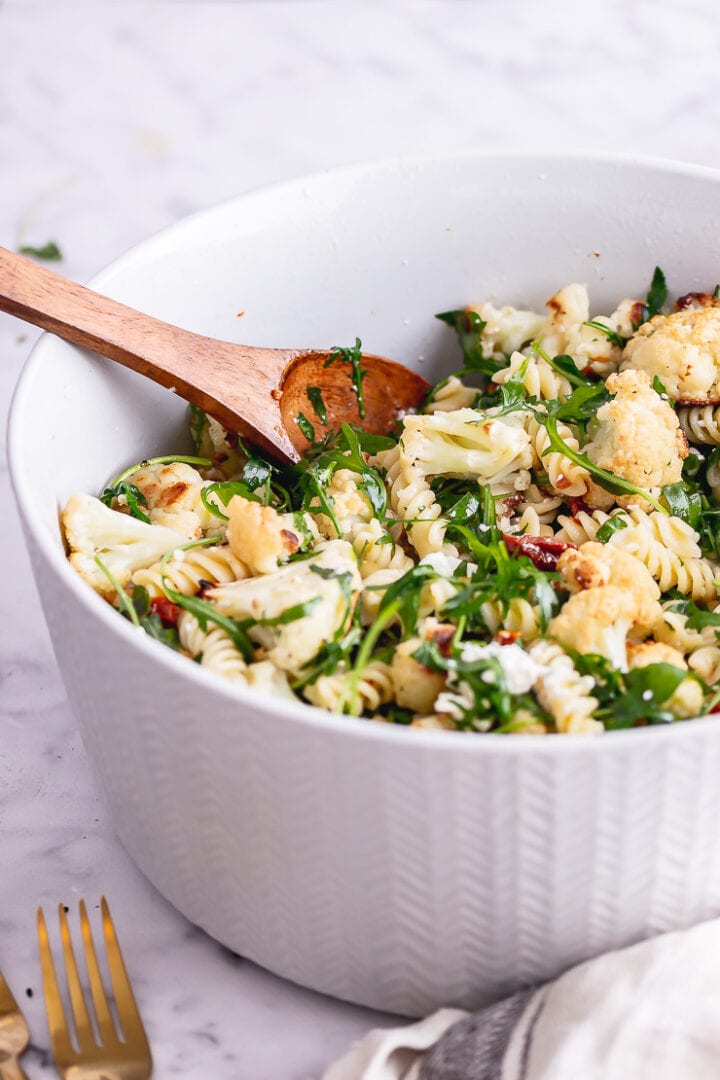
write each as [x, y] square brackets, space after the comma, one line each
[10, 1069]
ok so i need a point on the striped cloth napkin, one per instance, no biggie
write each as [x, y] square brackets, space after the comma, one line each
[651, 1010]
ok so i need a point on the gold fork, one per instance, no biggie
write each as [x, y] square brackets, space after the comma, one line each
[104, 1052]
[14, 1035]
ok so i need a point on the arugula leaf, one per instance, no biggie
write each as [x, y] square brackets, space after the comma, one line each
[499, 578]
[369, 443]
[353, 356]
[401, 600]
[659, 387]
[333, 655]
[627, 698]
[616, 485]
[49, 252]
[683, 502]
[697, 618]
[166, 459]
[125, 603]
[151, 621]
[315, 398]
[136, 608]
[314, 475]
[468, 326]
[564, 365]
[132, 495]
[197, 425]
[289, 615]
[614, 524]
[657, 294]
[582, 405]
[610, 334]
[513, 394]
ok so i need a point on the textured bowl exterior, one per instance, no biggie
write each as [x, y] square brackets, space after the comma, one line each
[399, 869]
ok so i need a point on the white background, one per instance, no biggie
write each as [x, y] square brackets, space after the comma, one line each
[119, 118]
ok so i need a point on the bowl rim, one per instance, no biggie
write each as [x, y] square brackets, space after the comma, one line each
[310, 716]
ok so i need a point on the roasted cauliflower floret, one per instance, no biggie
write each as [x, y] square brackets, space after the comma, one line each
[329, 582]
[507, 328]
[568, 310]
[594, 565]
[123, 543]
[687, 700]
[683, 350]
[262, 537]
[599, 621]
[637, 435]
[267, 679]
[467, 443]
[350, 506]
[415, 686]
[173, 497]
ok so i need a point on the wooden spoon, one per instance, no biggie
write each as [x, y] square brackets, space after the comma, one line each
[255, 392]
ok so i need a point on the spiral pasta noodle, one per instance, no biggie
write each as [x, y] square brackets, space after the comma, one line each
[667, 546]
[705, 662]
[520, 618]
[672, 629]
[374, 688]
[712, 479]
[213, 647]
[350, 506]
[453, 395]
[563, 691]
[185, 570]
[581, 527]
[564, 476]
[376, 550]
[412, 499]
[701, 423]
[540, 380]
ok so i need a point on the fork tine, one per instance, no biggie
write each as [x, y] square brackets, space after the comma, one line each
[77, 998]
[130, 1022]
[57, 1022]
[100, 1003]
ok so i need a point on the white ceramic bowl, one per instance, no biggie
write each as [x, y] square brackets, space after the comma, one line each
[401, 869]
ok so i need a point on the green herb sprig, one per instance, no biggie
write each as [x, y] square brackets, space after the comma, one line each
[132, 495]
[351, 355]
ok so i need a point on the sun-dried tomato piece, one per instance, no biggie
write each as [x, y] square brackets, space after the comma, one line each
[577, 505]
[543, 551]
[167, 611]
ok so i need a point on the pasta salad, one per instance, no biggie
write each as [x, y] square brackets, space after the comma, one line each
[536, 551]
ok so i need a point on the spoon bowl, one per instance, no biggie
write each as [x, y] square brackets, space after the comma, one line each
[259, 393]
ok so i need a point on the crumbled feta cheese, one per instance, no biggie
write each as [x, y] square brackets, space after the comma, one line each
[446, 565]
[519, 668]
[647, 695]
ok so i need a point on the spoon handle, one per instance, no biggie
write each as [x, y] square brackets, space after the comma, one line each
[233, 382]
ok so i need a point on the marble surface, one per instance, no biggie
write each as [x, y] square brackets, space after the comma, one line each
[117, 119]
